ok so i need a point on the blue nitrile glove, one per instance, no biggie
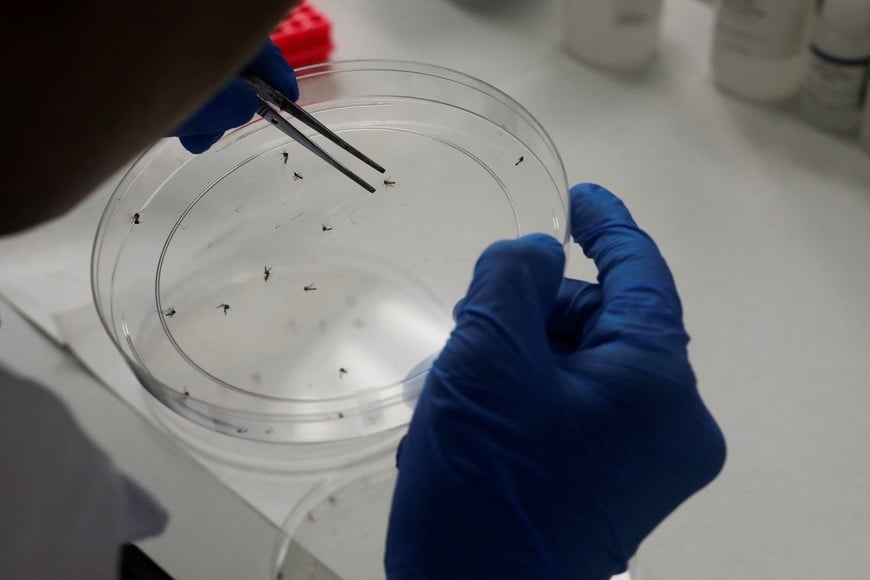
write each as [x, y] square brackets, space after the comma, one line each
[561, 422]
[236, 103]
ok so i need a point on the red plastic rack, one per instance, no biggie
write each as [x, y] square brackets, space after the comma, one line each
[304, 36]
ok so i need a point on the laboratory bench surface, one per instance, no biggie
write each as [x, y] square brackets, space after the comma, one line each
[764, 220]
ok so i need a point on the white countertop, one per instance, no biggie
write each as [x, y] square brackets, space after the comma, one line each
[764, 220]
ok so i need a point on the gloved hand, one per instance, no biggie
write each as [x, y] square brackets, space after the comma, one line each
[236, 103]
[561, 422]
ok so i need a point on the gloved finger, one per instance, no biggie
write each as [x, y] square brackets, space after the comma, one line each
[457, 308]
[197, 144]
[234, 105]
[576, 308]
[271, 66]
[399, 450]
[576, 304]
[636, 284]
[503, 316]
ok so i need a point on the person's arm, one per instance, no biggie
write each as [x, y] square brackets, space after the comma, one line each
[88, 85]
[66, 507]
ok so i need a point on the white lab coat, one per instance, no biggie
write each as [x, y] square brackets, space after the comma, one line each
[65, 509]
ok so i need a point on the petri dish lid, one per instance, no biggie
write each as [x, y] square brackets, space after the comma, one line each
[260, 293]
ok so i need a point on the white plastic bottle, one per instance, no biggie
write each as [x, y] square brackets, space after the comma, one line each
[758, 47]
[615, 34]
[834, 90]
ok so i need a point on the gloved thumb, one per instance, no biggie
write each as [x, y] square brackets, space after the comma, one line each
[271, 66]
[502, 322]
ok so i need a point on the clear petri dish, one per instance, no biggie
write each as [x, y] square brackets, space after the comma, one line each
[341, 526]
[261, 294]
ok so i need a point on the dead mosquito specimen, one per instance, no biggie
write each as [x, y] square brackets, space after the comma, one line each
[135, 218]
[342, 371]
[169, 312]
[224, 306]
[326, 227]
[389, 182]
[520, 160]
[340, 415]
[310, 287]
[267, 273]
[297, 176]
[286, 156]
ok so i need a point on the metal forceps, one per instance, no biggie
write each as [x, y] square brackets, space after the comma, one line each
[272, 102]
